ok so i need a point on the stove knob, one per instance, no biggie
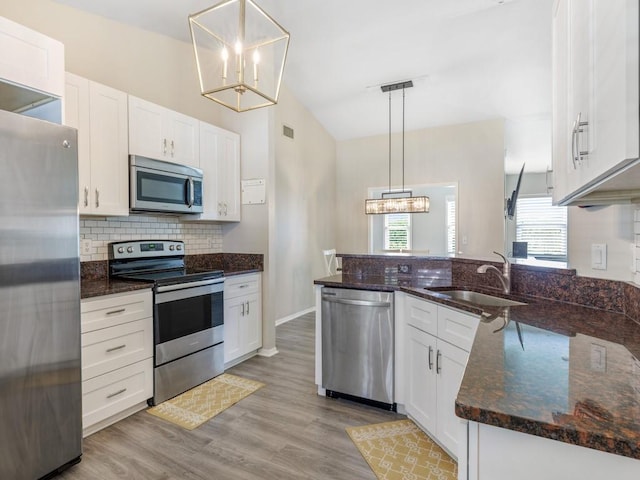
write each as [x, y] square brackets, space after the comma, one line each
[130, 249]
[120, 249]
[172, 247]
[179, 247]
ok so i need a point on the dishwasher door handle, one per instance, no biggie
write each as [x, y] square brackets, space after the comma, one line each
[360, 303]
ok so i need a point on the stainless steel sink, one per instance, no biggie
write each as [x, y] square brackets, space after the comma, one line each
[479, 298]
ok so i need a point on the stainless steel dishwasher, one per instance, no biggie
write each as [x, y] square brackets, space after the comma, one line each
[358, 345]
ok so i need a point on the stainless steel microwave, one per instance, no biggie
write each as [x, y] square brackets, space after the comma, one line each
[157, 186]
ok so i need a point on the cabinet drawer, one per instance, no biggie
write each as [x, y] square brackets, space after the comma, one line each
[241, 285]
[109, 394]
[110, 310]
[422, 315]
[456, 327]
[115, 347]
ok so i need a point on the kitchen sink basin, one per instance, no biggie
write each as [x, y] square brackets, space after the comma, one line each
[479, 298]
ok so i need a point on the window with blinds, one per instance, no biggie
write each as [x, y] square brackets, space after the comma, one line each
[543, 226]
[451, 225]
[397, 231]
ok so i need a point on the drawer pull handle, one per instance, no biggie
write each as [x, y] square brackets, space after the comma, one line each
[113, 312]
[243, 286]
[115, 394]
[113, 349]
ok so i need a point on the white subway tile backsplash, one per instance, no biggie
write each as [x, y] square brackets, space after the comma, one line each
[199, 238]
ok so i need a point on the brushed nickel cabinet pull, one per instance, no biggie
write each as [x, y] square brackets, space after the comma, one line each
[114, 394]
[113, 312]
[113, 349]
[430, 359]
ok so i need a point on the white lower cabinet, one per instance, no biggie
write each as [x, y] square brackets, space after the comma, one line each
[242, 317]
[117, 357]
[501, 454]
[437, 343]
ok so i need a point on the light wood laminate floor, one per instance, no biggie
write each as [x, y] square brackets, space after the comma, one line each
[283, 431]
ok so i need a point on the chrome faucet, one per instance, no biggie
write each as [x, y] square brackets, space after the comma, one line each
[505, 275]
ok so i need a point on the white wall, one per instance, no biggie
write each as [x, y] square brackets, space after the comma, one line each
[613, 226]
[471, 155]
[305, 208]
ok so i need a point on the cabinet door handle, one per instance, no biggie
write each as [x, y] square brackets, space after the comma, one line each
[438, 366]
[113, 312]
[430, 359]
[97, 198]
[164, 146]
[576, 153]
[173, 148]
[247, 308]
[225, 209]
[86, 196]
[243, 304]
[574, 141]
[119, 347]
[114, 394]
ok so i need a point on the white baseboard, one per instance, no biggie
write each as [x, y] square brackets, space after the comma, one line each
[267, 352]
[288, 318]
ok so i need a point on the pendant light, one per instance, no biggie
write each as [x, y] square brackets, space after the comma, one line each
[240, 54]
[403, 201]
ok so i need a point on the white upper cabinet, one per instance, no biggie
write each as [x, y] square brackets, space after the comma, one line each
[163, 134]
[220, 164]
[31, 59]
[100, 115]
[596, 131]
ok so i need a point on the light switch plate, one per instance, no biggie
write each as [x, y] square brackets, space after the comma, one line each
[85, 246]
[599, 256]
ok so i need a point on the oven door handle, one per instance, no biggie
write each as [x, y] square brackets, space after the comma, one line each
[184, 286]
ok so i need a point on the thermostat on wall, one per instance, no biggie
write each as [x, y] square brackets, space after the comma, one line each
[253, 191]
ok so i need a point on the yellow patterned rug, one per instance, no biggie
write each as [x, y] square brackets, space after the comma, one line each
[401, 451]
[194, 407]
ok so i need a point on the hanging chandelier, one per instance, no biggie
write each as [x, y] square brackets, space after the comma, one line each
[403, 201]
[240, 54]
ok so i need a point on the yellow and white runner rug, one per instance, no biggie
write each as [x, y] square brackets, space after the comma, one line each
[401, 451]
[194, 407]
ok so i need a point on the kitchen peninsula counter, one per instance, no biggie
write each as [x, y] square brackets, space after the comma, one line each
[552, 369]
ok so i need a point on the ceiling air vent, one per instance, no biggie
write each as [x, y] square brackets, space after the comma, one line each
[287, 131]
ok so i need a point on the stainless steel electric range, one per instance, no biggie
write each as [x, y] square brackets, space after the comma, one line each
[188, 318]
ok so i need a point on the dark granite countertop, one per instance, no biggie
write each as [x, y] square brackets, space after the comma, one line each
[557, 370]
[387, 283]
[96, 287]
[108, 286]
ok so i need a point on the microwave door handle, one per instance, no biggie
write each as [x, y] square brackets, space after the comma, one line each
[187, 192]
[192, 195]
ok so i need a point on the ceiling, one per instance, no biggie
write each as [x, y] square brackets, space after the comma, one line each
[470, 60]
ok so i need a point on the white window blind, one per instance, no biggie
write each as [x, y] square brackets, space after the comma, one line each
[397, 231]
[543, 226]
[451, 225]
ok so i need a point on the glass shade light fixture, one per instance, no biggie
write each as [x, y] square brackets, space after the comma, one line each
[240, 54]
[403, 201]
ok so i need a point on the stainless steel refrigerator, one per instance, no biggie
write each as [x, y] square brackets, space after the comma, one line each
[40, 391]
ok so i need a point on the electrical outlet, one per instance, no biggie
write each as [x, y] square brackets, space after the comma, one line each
[404, 269]
[85, 246]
